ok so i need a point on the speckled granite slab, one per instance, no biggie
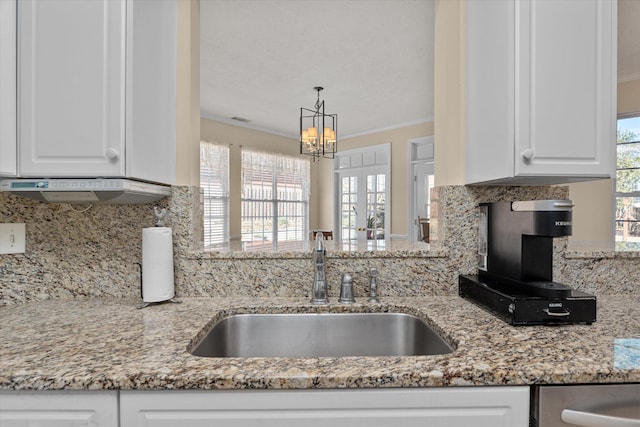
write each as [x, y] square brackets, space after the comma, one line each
[109, 344]
[96, 253]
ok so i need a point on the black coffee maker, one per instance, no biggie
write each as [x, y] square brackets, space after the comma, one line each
[515, 265]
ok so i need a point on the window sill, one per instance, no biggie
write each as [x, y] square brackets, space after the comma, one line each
[335, 249]
[587, 250]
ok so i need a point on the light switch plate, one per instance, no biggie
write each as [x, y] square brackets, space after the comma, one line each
[12, 238]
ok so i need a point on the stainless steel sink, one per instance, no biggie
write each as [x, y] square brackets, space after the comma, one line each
[320, 335]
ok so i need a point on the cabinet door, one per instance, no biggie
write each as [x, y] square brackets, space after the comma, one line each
[541, 91]
[436, 407]
[59, 408]
[8, 141]
[565, 91]
[71, 59]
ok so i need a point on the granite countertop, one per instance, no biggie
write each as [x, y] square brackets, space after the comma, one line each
[109, 344]
[347, 249]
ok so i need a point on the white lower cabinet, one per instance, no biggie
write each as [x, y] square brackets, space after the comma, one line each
[58, 408]
[433, 407]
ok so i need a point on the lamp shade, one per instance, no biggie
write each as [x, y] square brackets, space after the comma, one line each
[311, 143]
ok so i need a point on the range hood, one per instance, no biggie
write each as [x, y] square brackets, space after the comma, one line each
[86, 190]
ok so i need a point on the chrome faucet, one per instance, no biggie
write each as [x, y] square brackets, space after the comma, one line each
[319, 291]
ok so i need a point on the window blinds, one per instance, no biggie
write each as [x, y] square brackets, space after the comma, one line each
[214, 182]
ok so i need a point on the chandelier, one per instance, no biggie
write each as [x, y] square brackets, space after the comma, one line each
[318, 131]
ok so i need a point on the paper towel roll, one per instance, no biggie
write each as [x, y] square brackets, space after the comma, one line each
[157, 264]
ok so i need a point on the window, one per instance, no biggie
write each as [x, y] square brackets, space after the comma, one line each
[275, 199]
[214, 182]
[628, 179]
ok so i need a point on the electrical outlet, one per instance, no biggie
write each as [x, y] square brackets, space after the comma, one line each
[12, 238]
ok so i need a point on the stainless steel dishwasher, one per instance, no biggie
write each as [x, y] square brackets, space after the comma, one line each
[601, 405]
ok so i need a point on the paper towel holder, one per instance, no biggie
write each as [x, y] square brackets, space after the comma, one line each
[147, 304]
[160, 214]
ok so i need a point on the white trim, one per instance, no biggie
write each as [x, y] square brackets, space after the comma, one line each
[248, 126]
[295, 136]
[627, 115]
[399, 237]
[388, 128]
[629, 77]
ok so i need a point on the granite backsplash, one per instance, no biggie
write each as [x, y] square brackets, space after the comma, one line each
[72, 252]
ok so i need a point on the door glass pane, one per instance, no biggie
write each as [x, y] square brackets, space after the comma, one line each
[628, 219]
[628, 180]
[628, 155]
[348, 207]
[376, 201]
[628, 167]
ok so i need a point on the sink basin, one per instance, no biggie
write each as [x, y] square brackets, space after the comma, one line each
[320, 335]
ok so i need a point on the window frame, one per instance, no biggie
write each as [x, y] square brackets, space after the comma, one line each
[624, 194]
[218, 183]
[271, 162]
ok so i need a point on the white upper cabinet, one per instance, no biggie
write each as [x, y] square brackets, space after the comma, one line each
[541, 91]
[96, 89]
[8, 88]
[72, 88]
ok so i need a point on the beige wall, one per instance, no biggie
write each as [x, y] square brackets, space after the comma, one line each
[449, 92]
[188, 94]
[321, 203]
[399, 140]
[592, 214]
[629, 97]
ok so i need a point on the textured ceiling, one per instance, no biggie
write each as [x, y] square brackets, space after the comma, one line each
[260, 60]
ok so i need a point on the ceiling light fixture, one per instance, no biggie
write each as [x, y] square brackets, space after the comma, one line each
[318, 131]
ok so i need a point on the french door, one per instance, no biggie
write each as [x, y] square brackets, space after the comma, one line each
[363, 205]
[362, 192]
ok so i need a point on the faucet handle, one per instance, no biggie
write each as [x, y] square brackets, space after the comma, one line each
[373, 285]
[319, 244]
[346, 290]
